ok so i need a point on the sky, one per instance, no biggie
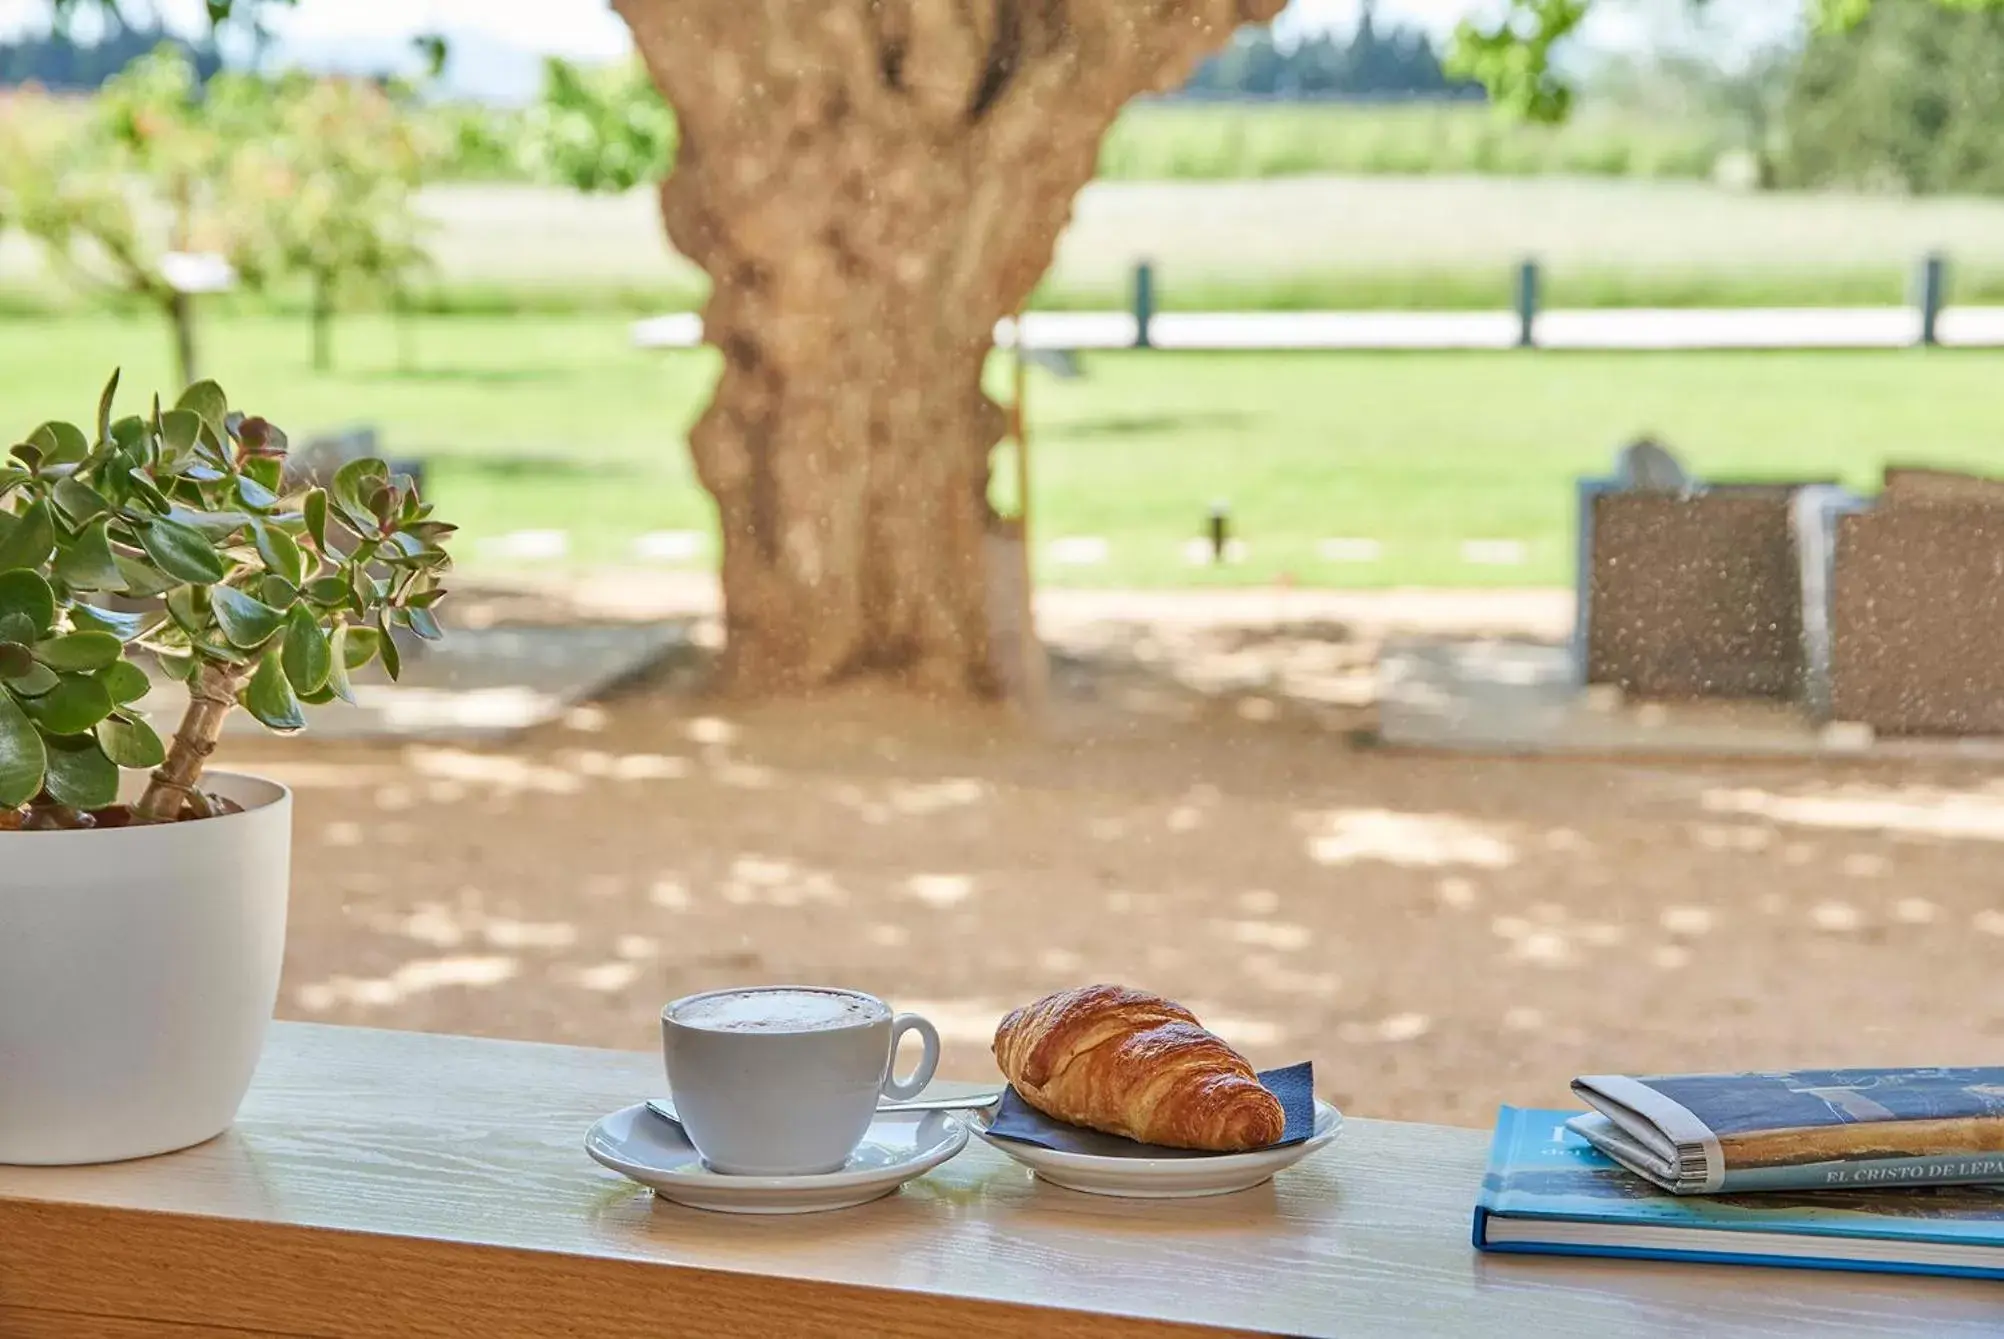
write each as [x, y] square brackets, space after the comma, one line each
[507, 38]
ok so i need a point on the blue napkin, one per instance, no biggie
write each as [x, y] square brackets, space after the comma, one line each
[1018, 1120]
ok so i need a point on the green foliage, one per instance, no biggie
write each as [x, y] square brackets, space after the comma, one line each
[179, 508]
[1511, 54]
[1513, 59]
[1169, 140]
[1907, 99]
[152, 144]
[287, 176]
[598, 130]
[333, 175]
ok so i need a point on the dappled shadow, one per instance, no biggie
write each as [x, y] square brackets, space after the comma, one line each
[1313, 674]
[465, 376]
[1191, 816]
[1135, 425]
[520, 466]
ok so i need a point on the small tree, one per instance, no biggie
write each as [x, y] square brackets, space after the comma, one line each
[145, 175]
[336, 177]
[252, 599]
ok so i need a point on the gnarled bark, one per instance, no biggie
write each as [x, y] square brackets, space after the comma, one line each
[871, 185]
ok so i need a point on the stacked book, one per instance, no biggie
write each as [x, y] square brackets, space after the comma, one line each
[1893, 1170]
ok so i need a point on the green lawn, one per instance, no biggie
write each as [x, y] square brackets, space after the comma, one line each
[554, 422]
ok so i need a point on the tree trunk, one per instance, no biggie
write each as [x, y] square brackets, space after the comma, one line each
[323, 324]
[871, 185]
[181, 315]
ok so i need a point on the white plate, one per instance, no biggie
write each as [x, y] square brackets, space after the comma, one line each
[1164, 1174]
[656, 1153]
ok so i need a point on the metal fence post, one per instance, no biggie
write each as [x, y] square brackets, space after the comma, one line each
[1931, 288]
[1527, 304]
[1144, 304]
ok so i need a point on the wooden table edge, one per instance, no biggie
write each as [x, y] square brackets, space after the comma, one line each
[89, 1266]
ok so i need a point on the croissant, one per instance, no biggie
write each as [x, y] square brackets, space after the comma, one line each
[1135, 1064]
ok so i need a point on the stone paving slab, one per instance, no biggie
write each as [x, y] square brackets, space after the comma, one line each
[478, 684]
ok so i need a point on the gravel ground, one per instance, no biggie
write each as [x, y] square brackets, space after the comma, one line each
[1200, 813]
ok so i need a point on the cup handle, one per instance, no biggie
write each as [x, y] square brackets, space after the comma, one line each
[903, 1089]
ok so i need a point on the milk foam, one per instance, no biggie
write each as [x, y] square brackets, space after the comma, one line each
[778, 1011]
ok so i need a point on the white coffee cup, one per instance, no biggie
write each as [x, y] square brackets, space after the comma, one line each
[784, 1080]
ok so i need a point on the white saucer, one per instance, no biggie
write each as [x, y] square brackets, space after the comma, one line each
[1164, 1174]
[656, 1153]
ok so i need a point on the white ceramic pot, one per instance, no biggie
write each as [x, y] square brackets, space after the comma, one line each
[138, 970]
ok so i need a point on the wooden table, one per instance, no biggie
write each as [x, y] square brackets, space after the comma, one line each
[404, 1184]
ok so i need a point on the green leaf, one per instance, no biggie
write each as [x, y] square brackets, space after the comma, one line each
[208, 403]
[78, 501]
[393, 659]
[129, 436]
[87, 562]
[279, 550]
[177, 666]
[316, 518]
[188, 606]
[80, 775]
[277, 592]
[407, 544]
[12, 477]
[424, 623]
[124, 681]
[22, 757]
[180, 429]
[363, 643]
[352, 482]
[104, 406]
[179, 551]
[328, 592]
[60, 443]
[38, 680]
[74, 705]
[143, 581]
[338, 663]
[31, 541]
[130, 742]
[307, 657]
[254, 494]
[269, 697]
[15, 660]
[215, 525]
[90, 618]
[148, 491]
[78, 652]
[267, 470]
[247, 622]
[212, 648]
[27, 594]
[19, 629]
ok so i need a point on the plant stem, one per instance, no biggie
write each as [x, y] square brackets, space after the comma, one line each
[211, 694]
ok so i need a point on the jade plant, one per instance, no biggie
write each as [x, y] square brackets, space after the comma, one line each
[172, 537]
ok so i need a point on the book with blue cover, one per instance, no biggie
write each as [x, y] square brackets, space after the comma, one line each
[1550, 1192]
